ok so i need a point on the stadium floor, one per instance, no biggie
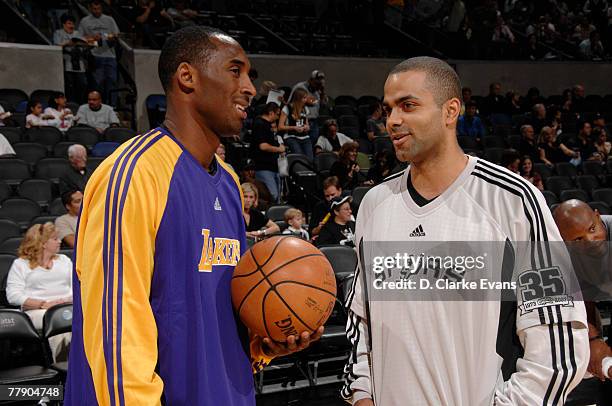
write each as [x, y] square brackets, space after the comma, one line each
[325, 395]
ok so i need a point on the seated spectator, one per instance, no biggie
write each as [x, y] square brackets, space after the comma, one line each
[375, 124]
[470, 124]
[537, 119]
[40, 279]
[97, 115]
[4, 116]
[57, 108]
[533, 50]
[340, 228]
[511, 161]
[331, 189]
[75, 50]
[501, 33]
[151, 19]
[293, 123]
[582, 142]
[75, 177]
[528, 145]
[66, 225]
[346, 168]
[265, 149]
[295, 219]
[384, 162]
[599, 121]
[528, 173]
[331, 140]
[247, 175]
[257, 224]
[494, 102]
[513, 103]
[6, 149]
[592, 48]
[555, 119]
[180, 14]
[583, 30]
[601, 143]
[36, 118]
[551, 150]
[221, 154]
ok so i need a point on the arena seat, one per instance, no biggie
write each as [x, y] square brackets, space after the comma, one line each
[8, 228]
[6, 261]
[343, 110]
[493, 141]
[494, 155]
[20, 210]
[383, 143]
[346, 100]
[514, 141]
[467, 142]
[57, 208]
[348, 120]
[119, 134]
[10, 245]
[104, 149]
[38, 190]
[156, 109]
[601, 207]
[5, 190]
[558, 183]
[43, 220]
[94, 161]
[42, 96]
[566, 169]
[603, 195]
[550, 197]
[12, 134]
[51, 169]
[594, 168]
[58, 320]
[85, 136]
[352, 132]
[544, 170]
[31, 152]
[324, 161]
[13, 97]
[342, 259]
[60, 150]
[13, 170]
[358, 193]
[574, 194]
[48, 136]
[277, 212]
[587, 183]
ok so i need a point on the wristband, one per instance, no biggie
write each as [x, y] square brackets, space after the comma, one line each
[606, 363]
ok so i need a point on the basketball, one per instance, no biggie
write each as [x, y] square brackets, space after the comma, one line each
[283, 286]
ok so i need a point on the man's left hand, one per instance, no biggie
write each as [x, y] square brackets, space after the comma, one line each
[293, 344]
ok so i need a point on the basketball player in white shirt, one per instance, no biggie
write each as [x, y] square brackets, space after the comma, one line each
[464, 353]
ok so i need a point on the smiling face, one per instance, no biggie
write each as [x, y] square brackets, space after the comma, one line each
[223, 89]
[414, 119]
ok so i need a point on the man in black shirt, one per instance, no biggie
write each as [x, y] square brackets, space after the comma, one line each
[331, 189]
[265, 149]
[528, 145]
[75, 177]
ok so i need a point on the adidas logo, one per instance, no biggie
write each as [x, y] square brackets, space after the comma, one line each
[217, 204]
[418, 232]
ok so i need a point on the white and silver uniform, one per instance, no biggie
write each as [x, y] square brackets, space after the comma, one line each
[467, 353]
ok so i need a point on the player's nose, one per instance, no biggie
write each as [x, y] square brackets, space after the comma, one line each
[247, 87]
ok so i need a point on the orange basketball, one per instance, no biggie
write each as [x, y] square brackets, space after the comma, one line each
[283, 286]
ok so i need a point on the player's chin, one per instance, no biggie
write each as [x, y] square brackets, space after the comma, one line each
[231, 129]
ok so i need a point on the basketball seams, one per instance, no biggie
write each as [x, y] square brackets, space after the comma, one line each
[307, 285]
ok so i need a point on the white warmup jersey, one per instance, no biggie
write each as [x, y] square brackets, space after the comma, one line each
[468, 353]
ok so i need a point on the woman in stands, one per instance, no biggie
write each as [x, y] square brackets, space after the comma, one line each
[258, 226]
[528, 173]
[57, 108]
[40, 279]
[551, 150]
[331, 140]
[600, 140]
[346, 168]
[36, 118]
[294, 124]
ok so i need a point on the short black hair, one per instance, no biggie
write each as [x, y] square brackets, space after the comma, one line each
[95, 3]
[54, 95]
[67, 197]
[190, 44]
[67, 17]
[441, 78]
[269, 108]
[373, 107]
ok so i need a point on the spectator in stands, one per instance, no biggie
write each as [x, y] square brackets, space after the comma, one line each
[528, 173]
[469, 123]
[600, 141]
[316, 97]
[578, 100]
[502, 35]
[6, 149]
[528, 145]
[180, 13]
[340, 228]
[537, 118]
[57, 108]
[36, 117]
[599, 121]
[264, 90]
[331, 140]
[75, 51]
[551, 150]
[533, 50]
[513, 103]
[583, 30]
[221, 154]
[592, 48]
[151, 19]
[66, 225]
[295, 219]
[40, 279]
[511, 161]
[75, 177]
[4, 116]
[257, 224]
[494, 102]
[97, 115]
[375, 124]
[331, 189]
[583, 142]
[384, 162]
[265, 149]
[103, 29]
[294, 124]
[466, 96]
[555, 122]
[247, 175]
[346, 168]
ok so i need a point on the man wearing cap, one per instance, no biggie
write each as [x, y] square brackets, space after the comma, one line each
[340, 230]
[315, 86]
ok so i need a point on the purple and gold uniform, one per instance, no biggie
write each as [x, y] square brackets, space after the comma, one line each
[157, 242]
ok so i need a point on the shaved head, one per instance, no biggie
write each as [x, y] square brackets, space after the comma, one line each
[441, 79]
[577, 221]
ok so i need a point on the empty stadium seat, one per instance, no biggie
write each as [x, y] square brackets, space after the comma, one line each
[277, 212]
[20, 210]
[603, 195]
[93, 162]
[13, 97]
[8, 228]
[595, 168]
[5, 191]
[342, 259]
[57, 208]
[574, 194]
[544, 170]
[324, 161]
[348, 121]
[352, 132]
[156, 109]
[514, 141]
[367, 100]
[60, 150]
[6, 261]
[31, 152]
[467, 142]
[346, 100]
[13, 170]
[558, 183]
[51, 168]
[38, 190]
[118, 134]
[494, 155]
[344, 110]
[358, 193]
[10, 245]
[12, 134]
[58, 320]
[48, 136]
[17, 329]
[566, 169]
[86, 136]
[601, 207]
[550, 197]
[587, 183]
[493, 141]
[299, 162]
[104, 149]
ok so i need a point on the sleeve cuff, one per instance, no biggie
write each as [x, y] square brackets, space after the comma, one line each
[359, 394]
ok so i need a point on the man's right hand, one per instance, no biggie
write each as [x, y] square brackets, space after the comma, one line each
[364, 402]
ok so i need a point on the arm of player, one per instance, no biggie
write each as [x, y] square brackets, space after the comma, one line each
[554, 362]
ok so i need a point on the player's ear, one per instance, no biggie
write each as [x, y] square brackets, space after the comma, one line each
[451, 110]
[185, 76]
